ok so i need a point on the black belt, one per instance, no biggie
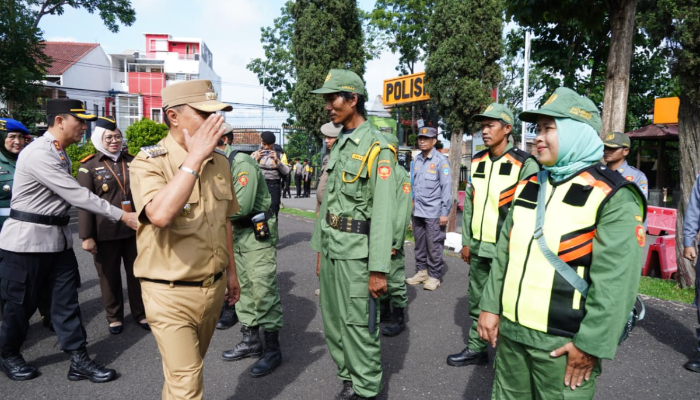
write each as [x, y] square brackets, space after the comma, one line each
[347, 224]
[205, 283]
[247, 221]
[57, 220]
[272, 181]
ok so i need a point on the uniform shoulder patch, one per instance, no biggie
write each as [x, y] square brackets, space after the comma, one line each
[87, 158]
[243, 180]
[641, 237]
[407, 187]
[154, 151]
[384, 171]
[85, 170]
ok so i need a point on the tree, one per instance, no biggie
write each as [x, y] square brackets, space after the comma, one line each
[675, 25]
[464, 46]
[112, 12]
[327, 34]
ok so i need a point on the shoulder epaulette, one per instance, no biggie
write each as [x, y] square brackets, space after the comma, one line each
[87, 158]
[480, 155]
[155, 150]
[520, 155]
[220, 152]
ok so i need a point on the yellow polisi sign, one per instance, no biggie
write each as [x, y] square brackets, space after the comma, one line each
[404, 89]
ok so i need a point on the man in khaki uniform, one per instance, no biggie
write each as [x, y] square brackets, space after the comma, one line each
[183, 193]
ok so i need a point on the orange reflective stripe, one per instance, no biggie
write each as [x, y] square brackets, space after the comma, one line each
[480, 158]
[509, 193]
[513, 160]
[596, 183]
[577, 253]
[565, 245]
[505, 201]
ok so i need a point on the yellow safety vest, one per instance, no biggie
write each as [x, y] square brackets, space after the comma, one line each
[493, 188]
[534, 294]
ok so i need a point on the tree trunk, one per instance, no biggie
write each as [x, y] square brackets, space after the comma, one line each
[688, 146]
[617, 77]
[455, 164]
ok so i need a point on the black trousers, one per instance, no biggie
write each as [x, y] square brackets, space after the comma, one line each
[108, 262]
[275, 193]
[297, 182]
[307, 188]
[23, 276]
[286, 190]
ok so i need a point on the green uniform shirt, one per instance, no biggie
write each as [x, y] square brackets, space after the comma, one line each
[7, 174]
[354, 192]
[253, 197]
[404, 206]
[614, 273]
[476, 247]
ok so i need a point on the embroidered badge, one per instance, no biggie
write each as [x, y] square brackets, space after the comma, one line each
[243, 180]
[384, 172]
[446, 171]
[407, 188]
[629, 178]
[638, 218]
[432, 166]
[640, 235]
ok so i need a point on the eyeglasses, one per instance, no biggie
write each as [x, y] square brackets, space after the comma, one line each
[17, 137]
[112, 138]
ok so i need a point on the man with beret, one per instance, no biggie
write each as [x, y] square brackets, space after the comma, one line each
[354, 234]
[273, 168]
[256, 264]
[495, 173]
[432, 194]
[183, 194]
[617, 147]
[38, 245]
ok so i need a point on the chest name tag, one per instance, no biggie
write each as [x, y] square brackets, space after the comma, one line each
[4, 172]
[358, 157]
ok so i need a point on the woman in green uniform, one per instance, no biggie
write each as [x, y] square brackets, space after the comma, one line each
[566, 270]
[13, 135]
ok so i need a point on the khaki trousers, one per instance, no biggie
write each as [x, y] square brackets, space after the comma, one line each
[183, 320]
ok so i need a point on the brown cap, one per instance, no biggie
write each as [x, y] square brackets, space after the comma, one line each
[198, 94]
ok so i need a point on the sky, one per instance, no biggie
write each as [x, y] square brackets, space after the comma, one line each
[231, 30]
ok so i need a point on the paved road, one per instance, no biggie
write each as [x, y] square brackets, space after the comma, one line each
[648, 365]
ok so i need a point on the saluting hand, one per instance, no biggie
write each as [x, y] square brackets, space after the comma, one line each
[130, 219]
[201, 144]
[487, 326]
[579, 364]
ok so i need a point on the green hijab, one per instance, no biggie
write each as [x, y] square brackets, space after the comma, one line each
[579, 147]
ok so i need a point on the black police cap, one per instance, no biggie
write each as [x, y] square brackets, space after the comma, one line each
[73, 107]
[106, 122]
[268, 137]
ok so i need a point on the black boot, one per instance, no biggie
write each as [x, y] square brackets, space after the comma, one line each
[693, 364]
[271, 358]
[396, 323]
[82, 367]
[385, 311]
[468, 357]
[228, 317]
[250, 346]
[347, 392]
[14, 366]
[356, 397]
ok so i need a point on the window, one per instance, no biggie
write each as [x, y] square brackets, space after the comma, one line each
[156, 115]
[128, 110]
[158, 45]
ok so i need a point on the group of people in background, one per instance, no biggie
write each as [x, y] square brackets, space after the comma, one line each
[195, 224]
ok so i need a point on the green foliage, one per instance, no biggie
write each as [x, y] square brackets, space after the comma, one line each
[666, 290]
[412, 138]
[464, 46]
[144, 133]
[112, 12]
[298, 212]
[405, 24]
[327, 34]
[77, 152]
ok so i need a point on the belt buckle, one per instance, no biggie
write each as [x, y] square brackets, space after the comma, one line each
[208, 282]
[348, 225]
[334, 221]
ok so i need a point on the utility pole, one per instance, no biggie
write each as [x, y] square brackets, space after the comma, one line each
[526, 84]
[262, 102]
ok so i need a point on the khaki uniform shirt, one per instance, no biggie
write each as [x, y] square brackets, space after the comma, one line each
[321, 186]
[96, 175]
[193, 247]
[271, 169]
[44, 185]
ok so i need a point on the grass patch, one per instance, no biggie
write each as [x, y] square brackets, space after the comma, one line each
[298, 212]
[666, 290]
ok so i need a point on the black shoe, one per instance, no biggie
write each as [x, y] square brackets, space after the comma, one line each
[347, 392]
[693, 364]
[296, 197]
[82, 367]
[468, 357]
[14, 366]
[271, 358]
[397, 323]
[115, 330]
[356, 397]
[228, 317]
[384, 311]
[145, 326]
[250, 346]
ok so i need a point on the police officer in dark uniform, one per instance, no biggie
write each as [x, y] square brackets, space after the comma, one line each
[273, 168]
[106, 173]
[38, 247]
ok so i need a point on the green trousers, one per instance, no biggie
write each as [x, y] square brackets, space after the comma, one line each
[396, 281]
[344, 301]
[479, 269]
[524, 372]
[259, 304]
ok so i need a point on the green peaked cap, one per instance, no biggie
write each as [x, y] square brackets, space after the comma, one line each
[565, 103]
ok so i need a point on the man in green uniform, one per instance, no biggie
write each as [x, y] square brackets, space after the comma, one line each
[495, 173]
[254, 241]
[554, 327]
[355, 258]
[396, 298]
